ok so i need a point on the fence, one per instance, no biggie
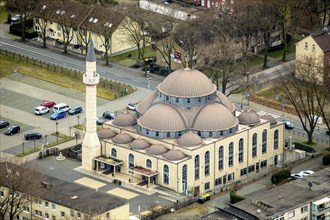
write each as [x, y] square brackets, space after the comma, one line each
[315, 138]
[120, 89]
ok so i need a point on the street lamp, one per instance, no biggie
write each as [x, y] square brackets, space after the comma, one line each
[277, 97]
[148, 78]
[78, 119]
[57, 131]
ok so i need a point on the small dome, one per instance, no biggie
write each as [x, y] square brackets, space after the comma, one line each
[249, 117]
[214, 117]
[225, 101]
[106, 133]
[122, 139]
[269, 118]
[156, 149]
[190, 139]
[174, 155]
[187, 83]
[125, 119]
[146, 102]
[162, 117]
[140, 144]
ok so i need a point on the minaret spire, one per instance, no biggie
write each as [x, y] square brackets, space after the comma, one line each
[90, 56]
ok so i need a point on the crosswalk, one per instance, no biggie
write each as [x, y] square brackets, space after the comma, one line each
[262, 113]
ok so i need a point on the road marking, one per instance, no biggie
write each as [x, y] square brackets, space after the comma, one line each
[135, 80]
[262, 113]
[118, 76]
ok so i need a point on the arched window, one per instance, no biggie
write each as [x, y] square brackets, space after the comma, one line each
[168, 134]
[210, 134]
[264, 141]
[113, 152]
[254, 145]
[220, 165]
[231, 154]
[166, 175]
[184, 178]
[157, 133]
[207, 163]
[130, 160]
[275, 139]
[197, 167]
[148, 163]
[199, 133]
[241, 150]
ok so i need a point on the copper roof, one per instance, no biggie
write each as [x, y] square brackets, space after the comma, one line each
[214, 117]
[187, 83]
[225, 101]
[190, 139]
[174, 155]
[140, 144]
[249, 117]
[269, 118]
[163, 117]
[146, 102]
[124, 119]
[323, 40]
[122, 139]
[106, 133]
[156, 149]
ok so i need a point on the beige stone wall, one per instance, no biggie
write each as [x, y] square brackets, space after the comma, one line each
[298, 213]
[119, 213]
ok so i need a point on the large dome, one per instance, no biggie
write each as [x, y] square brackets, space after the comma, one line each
[249, 117]
[125, 119]
[225, 101]
[214, 117]
[190, 139]
[146, 102]
[162, 117]
[187, 83]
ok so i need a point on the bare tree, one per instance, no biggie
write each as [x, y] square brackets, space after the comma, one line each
[21, 184]
[318, 12]
[302, 89]
[24, 8]
[43, 14]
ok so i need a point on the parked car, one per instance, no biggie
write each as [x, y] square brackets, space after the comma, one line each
[13, 130]
[307, 172]
[4, 124]
[58, 115]
[62, 106]
[75, 110]
[296, 176]
[48, 104]
[108, 115]
[288, 125]
[41, 110]
[204, 198]
[32, 135]
[99, 121]
[131, 106]
[16, 18]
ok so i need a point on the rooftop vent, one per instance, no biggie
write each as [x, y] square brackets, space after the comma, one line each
[74, 197]
[47, 185]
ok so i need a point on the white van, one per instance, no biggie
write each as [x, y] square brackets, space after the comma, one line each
[61, 106]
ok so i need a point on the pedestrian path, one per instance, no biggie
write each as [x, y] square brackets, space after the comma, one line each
[262, 113]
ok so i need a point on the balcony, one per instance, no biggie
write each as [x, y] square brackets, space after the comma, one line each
[91, 80]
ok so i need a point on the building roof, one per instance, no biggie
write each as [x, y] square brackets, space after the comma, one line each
[80, 198]
[146, 102]
[323, 40]
[122, 139]
[174, 155]
[156, 149]
[225, 101]
[140, 144]
[190, 139]
[249, 117]
[106, 133]
[90, 56]
[187, 83]
[125, 119]
[269, 118]
[267, 204]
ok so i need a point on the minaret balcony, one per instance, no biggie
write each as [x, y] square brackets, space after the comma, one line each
[91, 80]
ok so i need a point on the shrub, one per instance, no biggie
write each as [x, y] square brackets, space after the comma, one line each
[234, 198]
[326, 160]
[280, 176]
[304, 147]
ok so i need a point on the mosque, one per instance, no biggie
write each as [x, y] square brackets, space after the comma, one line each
[184, 136]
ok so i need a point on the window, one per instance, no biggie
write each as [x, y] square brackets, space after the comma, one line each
[167, 98]
[53, 217]
[184, 177]
[113, 152]
[148, 163]
[207, 163]
[38, 213]
[199, 133]
[166, 175]
[224, 179]
[46, 216]
[218, 181]
[304, 209]
[58, 27]
[254, 145]
[275, 139]
[62, 214]
[2, 194]
[26, 209]
[53, 206]
[263, 163]
[157, 133]
[251, 168]
[231, 177]
[306, 218]
[207, 186]
[197, 167]
[46, 204]
[199, 99]
[78, 214]
[313, 47]
[179, 133]
[231, 154]
[264, 141]
[147, 132]
[243, 171]
[306, 46]
[130, 160]
[210, 134]
[38, 202]
[71, 213]
[188, 100]
[176, 100]
[108, 214]
[221, 133]
[241, 150]
[168, 134]
[291, 214]
[220, 159]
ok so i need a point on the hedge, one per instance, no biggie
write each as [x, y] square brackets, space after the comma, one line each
[234, 198]
[280, 176]
[304, 147]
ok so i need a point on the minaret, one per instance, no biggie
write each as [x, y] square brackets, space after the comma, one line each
[91, 143]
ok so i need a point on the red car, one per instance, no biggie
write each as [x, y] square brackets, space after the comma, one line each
[48, 104]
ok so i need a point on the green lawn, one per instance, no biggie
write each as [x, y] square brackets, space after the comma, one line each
[279, 53]
[3, 14]
[133, 55]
